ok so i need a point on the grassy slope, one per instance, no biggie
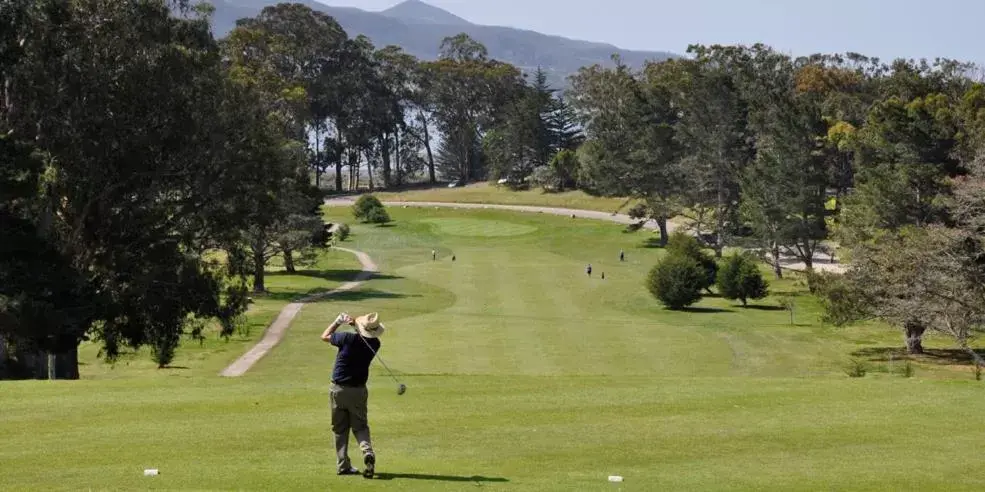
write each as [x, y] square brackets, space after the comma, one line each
[210, 356]
[524, 372]
[500, 195]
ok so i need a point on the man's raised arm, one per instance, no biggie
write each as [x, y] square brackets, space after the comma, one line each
[343, 318]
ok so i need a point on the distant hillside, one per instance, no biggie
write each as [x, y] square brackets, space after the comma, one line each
[418, 28]
[415, 11]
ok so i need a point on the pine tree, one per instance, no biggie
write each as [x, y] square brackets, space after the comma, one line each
[543, 105]
[563, 126]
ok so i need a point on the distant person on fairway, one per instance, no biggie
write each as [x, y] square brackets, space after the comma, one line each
[622, 255]
[348, 394]
[434, 255]
[588, 270]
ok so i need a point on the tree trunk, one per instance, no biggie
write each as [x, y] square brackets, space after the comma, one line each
[369, 169]
[427, 146]
[289, 261]
[775, 255]
[808, 255]
[317, 163]
[338, 175]
[352, 178]
[664, 235]
[4, 359]
[914, 337]
[720, 223]
[51, 365]
[720, 206]
[259, 263]
[67, 364]
[385, 154]
[396, 158]
[8, 109]
[467, 163]
[353, 170]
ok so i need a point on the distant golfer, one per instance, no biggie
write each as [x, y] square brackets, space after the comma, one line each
[434, 255]
[603, 275]
[622, 255]
[452, 257]
[588, 270]
[348, 394]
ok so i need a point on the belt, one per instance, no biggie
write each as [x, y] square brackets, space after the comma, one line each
[348, 385]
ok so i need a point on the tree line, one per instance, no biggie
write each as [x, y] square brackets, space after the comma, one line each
[748, 146]
[150, 172]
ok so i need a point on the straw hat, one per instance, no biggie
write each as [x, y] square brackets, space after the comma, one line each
[369, 325]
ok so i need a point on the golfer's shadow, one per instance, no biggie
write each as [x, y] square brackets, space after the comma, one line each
[438, 478]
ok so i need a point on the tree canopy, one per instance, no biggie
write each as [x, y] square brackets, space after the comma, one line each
[150, 171]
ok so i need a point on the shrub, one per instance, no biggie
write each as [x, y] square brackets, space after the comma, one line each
[378, 215]
[740, 278]
[364, 205]
[788, 304]
[841, 300]
[857, 369]
[545, 178]
[322, 237]
[564, 166]
[163, 347]
[342, 232]
[676, 281]
[680, 243]
[242, 325]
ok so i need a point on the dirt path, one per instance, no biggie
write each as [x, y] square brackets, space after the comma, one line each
[275, 332]
[823, 263]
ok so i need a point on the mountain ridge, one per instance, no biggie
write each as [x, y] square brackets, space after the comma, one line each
[418, 11]
[419, 28]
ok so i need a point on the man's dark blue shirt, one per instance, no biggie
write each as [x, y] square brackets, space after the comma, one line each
[353, 359]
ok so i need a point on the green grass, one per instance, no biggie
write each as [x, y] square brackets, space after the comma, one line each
[207, 357]
[501, 195]
[523, 374]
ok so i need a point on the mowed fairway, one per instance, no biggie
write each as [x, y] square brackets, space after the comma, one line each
[523, 374]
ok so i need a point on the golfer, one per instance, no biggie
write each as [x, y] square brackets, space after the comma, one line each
[348, 394]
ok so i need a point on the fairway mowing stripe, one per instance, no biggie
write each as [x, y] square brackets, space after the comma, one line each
[275, 332]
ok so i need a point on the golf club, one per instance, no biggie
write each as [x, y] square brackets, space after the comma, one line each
[401, 387]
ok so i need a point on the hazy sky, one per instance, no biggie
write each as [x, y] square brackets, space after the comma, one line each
[883, 28]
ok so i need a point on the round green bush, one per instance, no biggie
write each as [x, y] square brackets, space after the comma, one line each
[683, 244]
[364, 205]
[342, 232]
[377, 215]
[740, 278]
[677, 281]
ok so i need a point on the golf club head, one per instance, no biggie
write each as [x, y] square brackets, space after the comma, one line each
[401, 389]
